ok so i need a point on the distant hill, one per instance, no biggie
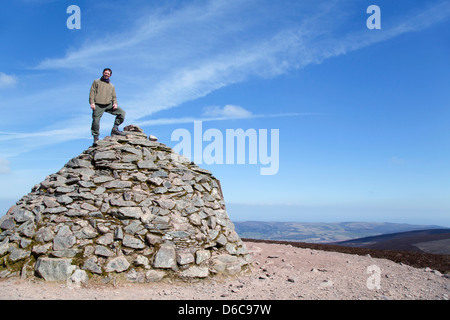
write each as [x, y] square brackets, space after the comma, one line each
[431, 241]
[321, 232]
[420, 246]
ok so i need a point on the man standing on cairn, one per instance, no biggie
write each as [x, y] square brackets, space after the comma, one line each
[102, 97]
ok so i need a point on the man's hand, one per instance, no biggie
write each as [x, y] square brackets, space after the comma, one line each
[93, 106]
[114, 106]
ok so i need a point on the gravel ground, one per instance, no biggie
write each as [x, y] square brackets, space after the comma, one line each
[280, 272]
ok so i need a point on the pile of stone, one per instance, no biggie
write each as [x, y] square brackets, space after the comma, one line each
[126, 207]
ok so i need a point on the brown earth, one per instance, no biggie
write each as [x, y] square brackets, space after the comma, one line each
[280, 272]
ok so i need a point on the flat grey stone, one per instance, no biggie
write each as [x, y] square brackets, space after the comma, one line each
[132, 242]
[64, 239]
[165, 257]
[118, 264]
[131, 212]
[54, 269]
[19, 254]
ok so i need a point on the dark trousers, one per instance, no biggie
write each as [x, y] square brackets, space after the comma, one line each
[98, 112]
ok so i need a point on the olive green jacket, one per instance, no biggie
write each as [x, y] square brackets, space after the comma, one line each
[102, 93]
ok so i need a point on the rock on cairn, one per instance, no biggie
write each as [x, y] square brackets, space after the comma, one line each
[126, 206]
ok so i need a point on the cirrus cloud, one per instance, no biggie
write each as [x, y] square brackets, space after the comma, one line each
[229, 111]
[7, 80]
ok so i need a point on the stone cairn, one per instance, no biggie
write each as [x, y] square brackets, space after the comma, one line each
[127, 207]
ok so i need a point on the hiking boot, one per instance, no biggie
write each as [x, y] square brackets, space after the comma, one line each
[95, 139]
[116, 132]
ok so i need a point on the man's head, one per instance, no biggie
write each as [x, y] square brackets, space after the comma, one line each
[107, 72]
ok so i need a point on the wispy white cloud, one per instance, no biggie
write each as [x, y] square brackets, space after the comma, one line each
[205, 118]
[167, 58]
[228, 111]
[397, 160]
[275, 53]
[37, 2]
[4, 166]
[17, 143]
[7, 80]
[159, 38]
[415, 21]
[40, 134]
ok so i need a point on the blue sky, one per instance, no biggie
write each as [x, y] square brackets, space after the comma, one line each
[363, 115]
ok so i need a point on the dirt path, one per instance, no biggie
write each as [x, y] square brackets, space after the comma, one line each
[279, 272]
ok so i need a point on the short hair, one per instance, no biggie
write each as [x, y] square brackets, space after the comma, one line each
[108, 69]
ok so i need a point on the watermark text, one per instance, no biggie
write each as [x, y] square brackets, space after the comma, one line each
[374, 21]
[231, 149]
[374, 281]
[74, 20]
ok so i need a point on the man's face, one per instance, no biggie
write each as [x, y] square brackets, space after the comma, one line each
[106, 74]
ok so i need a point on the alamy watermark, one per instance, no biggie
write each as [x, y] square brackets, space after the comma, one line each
[225, 149]
[74, 20]
[374, 21]
[374, 281]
